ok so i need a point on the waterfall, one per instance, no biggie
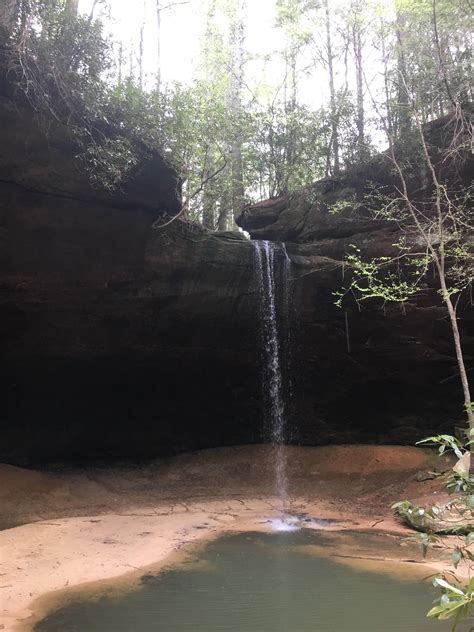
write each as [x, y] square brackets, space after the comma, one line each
[270, 259]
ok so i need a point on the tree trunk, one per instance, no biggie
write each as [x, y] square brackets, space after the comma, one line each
[461, 365]
[208, 218]
[360, 118]
[238, 189]
[237, 38]
[120, 64]
[386, 80]
[208, 199]
[332, 91]
[71, 8]
[8, 16]
[403, 105]
[141, 47]
[441, 59]
[159, 8]
[223, 213]
[131, 65]
[290, 107]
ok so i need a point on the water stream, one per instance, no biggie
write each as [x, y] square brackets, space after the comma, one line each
[271, 260]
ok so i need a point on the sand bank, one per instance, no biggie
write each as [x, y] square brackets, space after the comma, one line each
[84, 527]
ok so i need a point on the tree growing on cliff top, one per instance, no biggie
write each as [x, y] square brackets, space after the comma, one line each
[436, 222]
[278, 131]
[437, 237]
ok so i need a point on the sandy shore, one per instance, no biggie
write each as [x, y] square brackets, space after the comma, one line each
[110, 525]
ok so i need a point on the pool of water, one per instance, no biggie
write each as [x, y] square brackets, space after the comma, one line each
[258, 582]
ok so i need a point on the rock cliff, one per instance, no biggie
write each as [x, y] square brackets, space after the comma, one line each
[382, 371]
[120, 341]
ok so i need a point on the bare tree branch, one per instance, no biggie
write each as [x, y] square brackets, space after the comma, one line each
[156, 224]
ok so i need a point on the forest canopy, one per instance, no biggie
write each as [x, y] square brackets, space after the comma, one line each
[328, 85]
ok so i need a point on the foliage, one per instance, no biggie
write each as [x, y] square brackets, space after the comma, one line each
[228, 129]
[453, 518]
[455, 602]
[108, 162]
[59, 62]
[438, 63]
[399, 276]
[268, 136]
[380, 278]
[457, 598]
[287, 152]
[446, 443]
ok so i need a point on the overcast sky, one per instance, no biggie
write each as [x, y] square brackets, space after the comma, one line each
[183, 27]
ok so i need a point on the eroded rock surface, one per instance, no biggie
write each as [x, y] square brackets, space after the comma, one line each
[371, 370]
[120, 341]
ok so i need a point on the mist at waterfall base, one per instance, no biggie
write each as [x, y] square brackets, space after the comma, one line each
[272, 269]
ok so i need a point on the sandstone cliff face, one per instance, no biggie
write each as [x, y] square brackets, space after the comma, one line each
[117, 340]
[120, 341]
[380, 371]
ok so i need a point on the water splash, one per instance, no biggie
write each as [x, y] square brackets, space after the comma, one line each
[284, 524]
[272, 303]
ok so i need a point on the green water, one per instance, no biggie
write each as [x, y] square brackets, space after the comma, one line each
[254, 582]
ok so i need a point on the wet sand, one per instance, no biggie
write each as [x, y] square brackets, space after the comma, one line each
[82, 529]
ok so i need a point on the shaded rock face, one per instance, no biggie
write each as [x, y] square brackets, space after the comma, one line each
[120, 342]
[117, 340]
[153, 355]
[39, 157]
[331, 213]
[383, 372]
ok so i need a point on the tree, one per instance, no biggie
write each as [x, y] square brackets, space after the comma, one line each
[356, 19]
[446, 233]
[430, 49]
[159, 9]
[236, 41]
[381, 37]
[220, 96]
[402, 110]
[331, 40]
[332, 91]
[286, 151]
[440, 220]
[8, 16]
[71, 8]
[286, 131]
[141, 45]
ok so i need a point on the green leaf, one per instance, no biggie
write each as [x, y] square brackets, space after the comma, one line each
[439, 581]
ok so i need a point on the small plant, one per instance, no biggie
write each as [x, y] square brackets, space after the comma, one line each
[454, 518]
[459, 480]
[454, 602]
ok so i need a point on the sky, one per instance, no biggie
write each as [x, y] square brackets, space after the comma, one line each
[183, 26]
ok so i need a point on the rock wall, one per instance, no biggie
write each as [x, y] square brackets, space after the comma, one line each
[117, 340]
[120, 342]
[376, 372]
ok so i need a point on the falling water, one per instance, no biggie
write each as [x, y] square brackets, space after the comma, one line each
[274, 305]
